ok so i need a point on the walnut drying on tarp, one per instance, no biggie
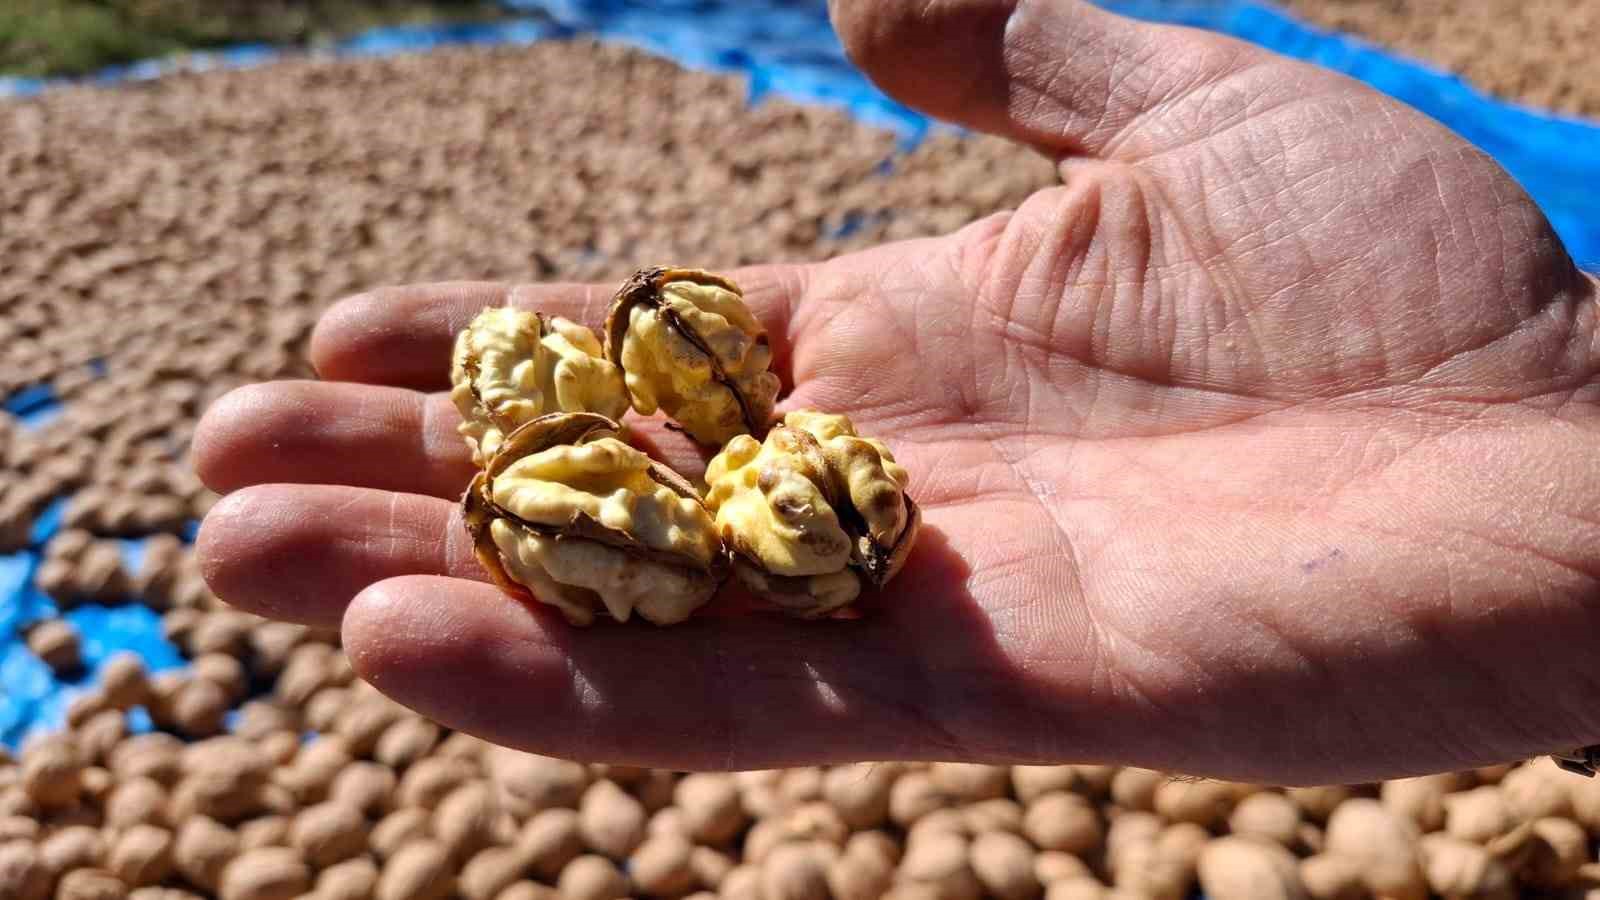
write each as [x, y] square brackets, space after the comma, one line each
[812, 512]
[588, 524]
[509, 367]
[688, 345]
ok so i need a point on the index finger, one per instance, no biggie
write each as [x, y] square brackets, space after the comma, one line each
[402, 336]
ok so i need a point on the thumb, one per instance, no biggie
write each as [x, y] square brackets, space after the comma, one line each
[1058, 74]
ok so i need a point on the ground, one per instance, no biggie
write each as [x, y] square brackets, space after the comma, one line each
[69, 37]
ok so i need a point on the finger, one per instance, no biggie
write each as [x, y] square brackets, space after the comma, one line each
[402, 335]
[746, 693]
[1059, 74]
[393, 439]
[927, 673]
[300, 552]
[308, 432]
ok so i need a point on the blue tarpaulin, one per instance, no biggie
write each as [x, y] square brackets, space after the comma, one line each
[785, 47]
[31, 696]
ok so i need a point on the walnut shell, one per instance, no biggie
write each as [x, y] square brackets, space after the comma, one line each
[812, 512]
[688, 345]
[567, 512]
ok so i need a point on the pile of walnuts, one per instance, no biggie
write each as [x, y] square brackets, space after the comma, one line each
[384, 805]
[563, 507]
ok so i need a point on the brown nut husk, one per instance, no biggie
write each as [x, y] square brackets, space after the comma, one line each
[688, 345]
[509, 367]
[569, 513]
[812, 513]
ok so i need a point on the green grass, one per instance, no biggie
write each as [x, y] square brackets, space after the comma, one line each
[71, 37]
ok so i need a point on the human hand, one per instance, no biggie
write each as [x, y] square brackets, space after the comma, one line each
[1262, 448]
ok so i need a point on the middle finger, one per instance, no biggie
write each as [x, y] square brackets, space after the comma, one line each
[310, 432]
[369, 436]
[299, 552]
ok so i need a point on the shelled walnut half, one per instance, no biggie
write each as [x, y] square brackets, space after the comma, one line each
[688, 345]
[585, 522]
[509, 367]
[812, 513]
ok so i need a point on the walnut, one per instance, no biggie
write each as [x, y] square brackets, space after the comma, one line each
[812, 512]
[589, 524]
[687, 344]
[509, 367]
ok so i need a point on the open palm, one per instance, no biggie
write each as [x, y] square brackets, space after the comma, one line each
[1262, 447]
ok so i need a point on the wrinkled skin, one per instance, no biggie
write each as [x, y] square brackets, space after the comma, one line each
[1264, 447]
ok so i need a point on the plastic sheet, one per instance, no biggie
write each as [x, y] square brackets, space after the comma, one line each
[34, 406]
[32, 697]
